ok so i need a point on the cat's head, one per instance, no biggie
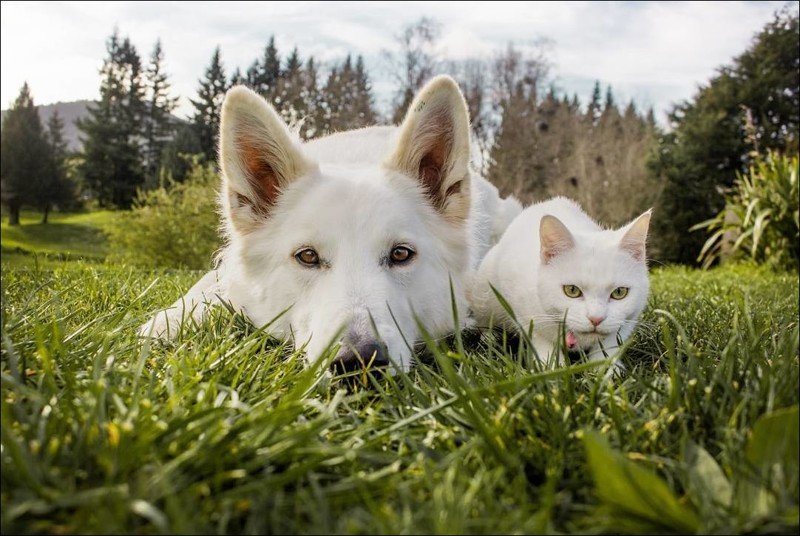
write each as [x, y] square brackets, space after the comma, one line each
[596, 280]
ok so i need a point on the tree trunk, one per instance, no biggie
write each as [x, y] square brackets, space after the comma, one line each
[13, 213]
[45, 212]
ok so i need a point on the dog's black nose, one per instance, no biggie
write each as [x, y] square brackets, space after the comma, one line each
[366, 355]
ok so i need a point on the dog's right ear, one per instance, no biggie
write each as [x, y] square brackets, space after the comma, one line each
[258, 155]
[433, 147]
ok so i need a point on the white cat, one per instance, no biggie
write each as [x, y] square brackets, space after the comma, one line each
[554, 265]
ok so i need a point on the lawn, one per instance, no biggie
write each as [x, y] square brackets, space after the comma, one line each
[224, 431]
[65, 237]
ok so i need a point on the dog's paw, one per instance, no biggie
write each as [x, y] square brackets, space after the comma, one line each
[163, 325]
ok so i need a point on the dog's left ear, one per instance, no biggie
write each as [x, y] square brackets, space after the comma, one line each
[434, 147]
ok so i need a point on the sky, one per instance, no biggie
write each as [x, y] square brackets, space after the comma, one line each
[656, 53]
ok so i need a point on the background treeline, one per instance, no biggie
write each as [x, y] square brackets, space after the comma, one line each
[532, 140]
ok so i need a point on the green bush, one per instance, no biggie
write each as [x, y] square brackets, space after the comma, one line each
[173, 226]
[761, 218]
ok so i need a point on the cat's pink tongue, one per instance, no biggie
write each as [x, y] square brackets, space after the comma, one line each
[572, 340]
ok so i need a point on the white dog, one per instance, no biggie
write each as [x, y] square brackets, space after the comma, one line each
[348, 238]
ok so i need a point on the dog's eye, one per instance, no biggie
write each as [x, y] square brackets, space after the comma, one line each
[307, 257]
[401, 254]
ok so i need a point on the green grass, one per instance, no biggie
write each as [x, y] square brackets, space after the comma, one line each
[224, 430]
[65, 237]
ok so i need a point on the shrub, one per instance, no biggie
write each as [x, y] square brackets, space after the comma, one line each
[175, 225]
[761, 218]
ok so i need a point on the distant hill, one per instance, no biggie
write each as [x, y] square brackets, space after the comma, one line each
[69, 112]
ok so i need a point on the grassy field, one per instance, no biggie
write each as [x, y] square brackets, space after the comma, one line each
[64, 237]
[224, 431]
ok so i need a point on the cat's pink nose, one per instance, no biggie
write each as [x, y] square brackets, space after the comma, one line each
[596, 320]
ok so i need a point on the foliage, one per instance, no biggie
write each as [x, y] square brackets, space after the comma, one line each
[181, 153]
[174, 225]
[225, 431]
[706, 146]
[60, 190]
[636, 500]
[26, 172]
[208, 107]
[546, 146]
[761, 218]
[112, 166]
[159, 125]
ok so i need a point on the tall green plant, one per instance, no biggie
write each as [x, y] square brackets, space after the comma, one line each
[761, 218]
[173, 226]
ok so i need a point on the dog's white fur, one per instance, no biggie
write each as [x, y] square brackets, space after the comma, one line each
[552, 244]
[352, 197]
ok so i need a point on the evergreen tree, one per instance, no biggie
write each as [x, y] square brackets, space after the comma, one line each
[348, 97]
[208, 106]
[706, 145]
[57, 190]
[263, 76]
[293, 65]
[180, 153]
[594, 108]
[237, 78]
[113, 130]
[24, 156]
[159, 125]
[609, 99]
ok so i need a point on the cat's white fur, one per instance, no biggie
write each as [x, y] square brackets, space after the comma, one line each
[552, 244]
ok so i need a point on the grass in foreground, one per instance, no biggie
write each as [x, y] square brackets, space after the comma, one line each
[224, 431]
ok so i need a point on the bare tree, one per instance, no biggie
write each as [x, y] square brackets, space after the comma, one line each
[414, 62]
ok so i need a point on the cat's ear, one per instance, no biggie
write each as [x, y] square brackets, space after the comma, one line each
[433, 147]
[554, 238]
[258, 155]
[634, 241]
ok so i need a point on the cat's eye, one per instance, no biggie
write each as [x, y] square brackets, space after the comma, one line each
[571, 291]
[619, 293]
[307, 257]
[401, 254]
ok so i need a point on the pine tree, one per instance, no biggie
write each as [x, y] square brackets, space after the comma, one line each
[159, 125]
[112, 166]
[364, 101]
[24, 156]
[593, 110]
[263, 76]
[293, 65]
[312, 96]
[237, 78]
[57, 189]
[348, 97]
[208, 106]
[609, 103]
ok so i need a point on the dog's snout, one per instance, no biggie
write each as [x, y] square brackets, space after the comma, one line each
[370, 354]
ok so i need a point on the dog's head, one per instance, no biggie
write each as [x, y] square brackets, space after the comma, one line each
[352, 249]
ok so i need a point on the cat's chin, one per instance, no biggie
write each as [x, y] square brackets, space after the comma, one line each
[587, 339]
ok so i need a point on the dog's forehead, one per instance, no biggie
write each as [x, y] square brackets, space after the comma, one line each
[357, 199]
